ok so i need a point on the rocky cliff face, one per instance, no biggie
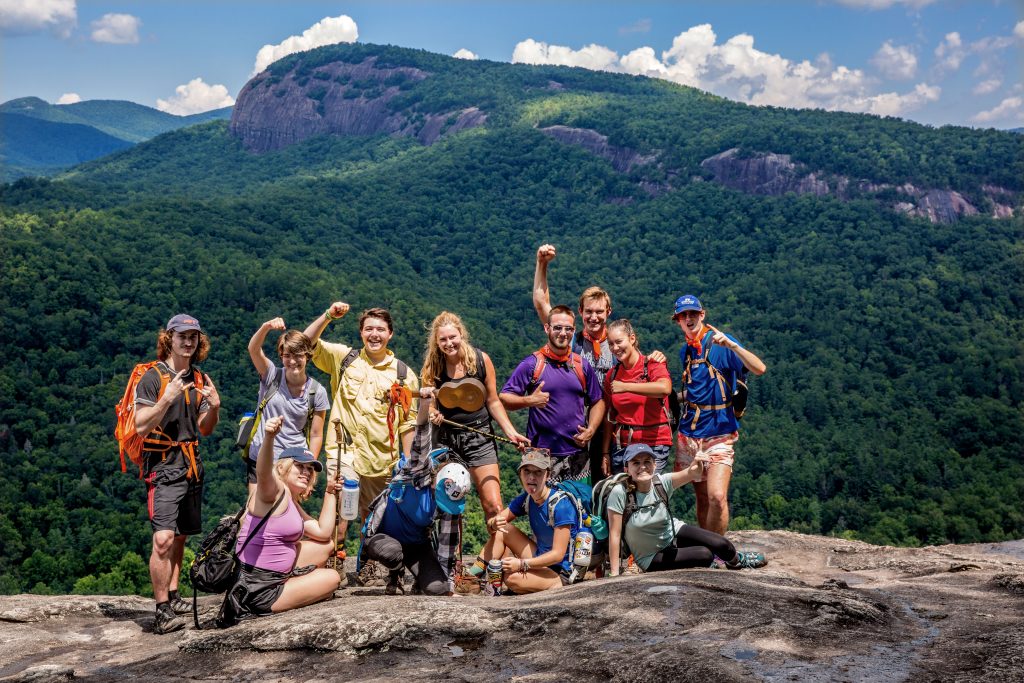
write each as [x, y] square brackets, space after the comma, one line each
[274, 111]
[776, 174]
[622, 159]
[823, 610]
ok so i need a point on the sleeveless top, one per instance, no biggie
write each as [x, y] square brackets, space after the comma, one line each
[276, 546]
[458, 414]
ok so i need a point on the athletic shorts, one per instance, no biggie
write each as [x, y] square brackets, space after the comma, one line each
[470, 448]
[254, 593]
[250, 471]
[174, 501]
[660, 459]
[714, 450]
[574, 467]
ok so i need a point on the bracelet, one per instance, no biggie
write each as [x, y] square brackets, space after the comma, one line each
[328, 315]
[524, 566]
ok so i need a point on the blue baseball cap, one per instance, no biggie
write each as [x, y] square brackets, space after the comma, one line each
[635, 449]
[299, 454]
[687, 302]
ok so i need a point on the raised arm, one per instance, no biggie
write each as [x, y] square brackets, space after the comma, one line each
[321, 528]
[541, 295]
[685, 476]
[259, 359]
[268, 488]
[336, 310]
[751, 361]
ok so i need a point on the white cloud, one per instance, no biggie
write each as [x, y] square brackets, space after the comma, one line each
[1010, 110]
[463, 53]
[195, 97]
[118, 29]
[27, 16]
[737, 70]
[639, 26]
[950, 52]
[69, 98]
[1018, 30]
[987, 87]
[897, 62]
[884, 4]
[327, 31]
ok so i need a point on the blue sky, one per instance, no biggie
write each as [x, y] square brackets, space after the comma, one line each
[934, 61]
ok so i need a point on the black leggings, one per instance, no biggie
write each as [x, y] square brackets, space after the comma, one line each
[692, 547]
[418, 558]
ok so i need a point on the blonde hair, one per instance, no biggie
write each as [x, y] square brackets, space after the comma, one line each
[433, 359]
[281, 469]
[595, 293]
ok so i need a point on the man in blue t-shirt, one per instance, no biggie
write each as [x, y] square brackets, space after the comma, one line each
[543, 562]
[708, 428]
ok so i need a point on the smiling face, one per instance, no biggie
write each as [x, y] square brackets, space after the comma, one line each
[621, 343]
[641, 468]
[594, 315]
[375, 335]
[690, 322]
[184, 344]
[294, 364]
[299, 477]
[560, 328]
[534, 480]
[449, 340]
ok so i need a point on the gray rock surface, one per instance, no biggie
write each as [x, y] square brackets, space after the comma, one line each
[338, 98]
[823, 610]
[622, 159]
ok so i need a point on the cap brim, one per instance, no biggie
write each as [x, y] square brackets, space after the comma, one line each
[452, 507]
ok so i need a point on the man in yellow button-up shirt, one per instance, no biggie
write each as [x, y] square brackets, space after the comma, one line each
[359, 397]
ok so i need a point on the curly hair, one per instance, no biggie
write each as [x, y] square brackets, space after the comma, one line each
[163, 346]
[433, 358]
[281, 469]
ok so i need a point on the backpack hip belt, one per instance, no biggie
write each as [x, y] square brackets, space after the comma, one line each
[165, 445]
[617, 428]
[697, 409]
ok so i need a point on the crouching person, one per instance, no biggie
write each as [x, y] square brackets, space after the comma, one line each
[543, 562]
[399, 525]
[282, 565]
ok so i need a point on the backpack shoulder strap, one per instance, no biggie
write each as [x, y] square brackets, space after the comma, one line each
[575, 343]
[403, 372]
[538, 367]
[576, 360]
[347, 361]
[263, 520]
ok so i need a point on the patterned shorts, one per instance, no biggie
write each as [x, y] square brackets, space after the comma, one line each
[714, 450]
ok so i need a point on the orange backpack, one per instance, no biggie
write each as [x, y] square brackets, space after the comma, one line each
[128, 438]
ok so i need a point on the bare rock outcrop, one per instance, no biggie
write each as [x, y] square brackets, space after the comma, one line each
[825, 609]
[767, 173]
[275, 111]
[622, 159]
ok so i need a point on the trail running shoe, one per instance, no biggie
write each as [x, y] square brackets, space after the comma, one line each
[748, 560]
[181, 605]
[167, 621]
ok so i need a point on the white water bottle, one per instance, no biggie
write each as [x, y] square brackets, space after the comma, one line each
[583, 546]
[350, 499]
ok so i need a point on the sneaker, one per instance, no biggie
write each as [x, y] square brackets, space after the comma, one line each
[181, 605]
[167, 621]
[748, 560]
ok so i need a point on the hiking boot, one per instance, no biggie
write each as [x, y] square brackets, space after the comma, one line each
[467, 584]
[748, 560]
[167, 621]
[394, 587]
[372, 574]
[181, 605]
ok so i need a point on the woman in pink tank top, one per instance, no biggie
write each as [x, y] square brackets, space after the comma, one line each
[279, 569]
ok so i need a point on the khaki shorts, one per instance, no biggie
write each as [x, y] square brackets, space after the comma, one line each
[369, 487]
[715, 450]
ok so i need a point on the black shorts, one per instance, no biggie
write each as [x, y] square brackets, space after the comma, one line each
[470, 448]
[175, 502]
[253, 595]
[575, 467]
[250, 471]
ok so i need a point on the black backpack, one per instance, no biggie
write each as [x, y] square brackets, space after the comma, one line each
[215, 568]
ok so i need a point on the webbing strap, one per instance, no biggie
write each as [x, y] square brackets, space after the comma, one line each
[697, 409]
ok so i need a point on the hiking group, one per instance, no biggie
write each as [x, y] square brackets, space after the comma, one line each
[402, 452]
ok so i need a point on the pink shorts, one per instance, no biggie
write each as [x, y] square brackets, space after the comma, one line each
[715, 450]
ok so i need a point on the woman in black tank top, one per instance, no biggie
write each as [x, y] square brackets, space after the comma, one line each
[450, 357]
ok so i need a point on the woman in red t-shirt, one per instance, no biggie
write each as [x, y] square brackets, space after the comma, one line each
[636, 391]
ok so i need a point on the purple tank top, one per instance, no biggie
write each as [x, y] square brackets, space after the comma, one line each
[276, 545]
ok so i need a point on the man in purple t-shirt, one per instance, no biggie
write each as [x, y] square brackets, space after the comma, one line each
[564, 400]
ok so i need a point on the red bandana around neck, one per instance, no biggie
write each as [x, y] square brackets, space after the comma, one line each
[549, 353]
[596, 341]
[695, 343]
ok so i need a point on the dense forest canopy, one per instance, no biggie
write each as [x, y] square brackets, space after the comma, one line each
[891, 410]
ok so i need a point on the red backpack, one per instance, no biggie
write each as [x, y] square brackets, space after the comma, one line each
[575, 362]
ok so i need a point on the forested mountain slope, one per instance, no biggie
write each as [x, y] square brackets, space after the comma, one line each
[891, 410]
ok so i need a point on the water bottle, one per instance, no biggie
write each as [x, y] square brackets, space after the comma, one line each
[350, 499]
[583, 546]
[494, 577]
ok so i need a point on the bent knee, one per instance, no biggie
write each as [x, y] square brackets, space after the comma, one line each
[435, 588]
[386, 550]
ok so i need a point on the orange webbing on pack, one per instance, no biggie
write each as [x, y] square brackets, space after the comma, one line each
[399, 396]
